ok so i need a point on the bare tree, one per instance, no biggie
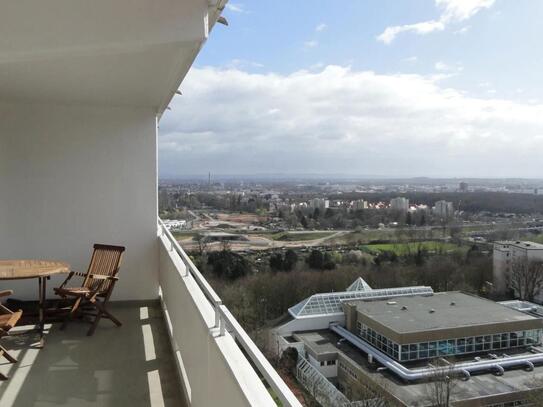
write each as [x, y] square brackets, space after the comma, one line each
[441, 385]
[525, 278]
[201, 239]
[535, 396]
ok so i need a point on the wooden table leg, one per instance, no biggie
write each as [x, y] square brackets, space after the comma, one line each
[41, 323]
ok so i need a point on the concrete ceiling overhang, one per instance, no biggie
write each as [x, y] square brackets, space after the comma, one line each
[119, 53]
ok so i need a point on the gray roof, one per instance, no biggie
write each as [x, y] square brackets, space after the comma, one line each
[522, 244]
[443, 310]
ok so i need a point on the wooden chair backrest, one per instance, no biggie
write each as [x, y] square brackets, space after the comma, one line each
[105, 261]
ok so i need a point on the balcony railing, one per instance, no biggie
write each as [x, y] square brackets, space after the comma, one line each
[218, 362]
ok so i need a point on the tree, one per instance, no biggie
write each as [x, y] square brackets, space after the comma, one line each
[441, 385]
[303, 221]
[289, 360]
[315, 260]
[228, 265]
[525, 278]
[276, 262]
[319, 261]
[291, 258]
[202, 243]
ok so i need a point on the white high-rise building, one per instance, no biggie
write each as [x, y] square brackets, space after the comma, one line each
[399, 204]
[320, 203]
[444, 209]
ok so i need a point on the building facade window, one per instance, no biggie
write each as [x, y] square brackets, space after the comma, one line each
[449, 347]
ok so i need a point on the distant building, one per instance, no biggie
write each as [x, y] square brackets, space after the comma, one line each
[360, 204]
[319, 203]
[399, 204]
[463, 187]
[506, 253]
[444, 209]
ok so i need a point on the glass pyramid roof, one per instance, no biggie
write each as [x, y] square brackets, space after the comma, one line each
[330, 303]
[359, 285]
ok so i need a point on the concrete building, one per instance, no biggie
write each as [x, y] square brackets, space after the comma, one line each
[444, 209]
[399, 204]
[360, 204]
[319, 203]
[506, 253]
[82, 88]
[463, 187]
[395, 347]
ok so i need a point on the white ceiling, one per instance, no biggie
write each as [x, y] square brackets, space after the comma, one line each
[121, 52]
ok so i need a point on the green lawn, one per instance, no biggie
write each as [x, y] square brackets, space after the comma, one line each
[181, 235]
[412, 247]
[294, 237]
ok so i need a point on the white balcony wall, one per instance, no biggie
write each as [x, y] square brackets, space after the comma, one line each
[213, 370]
[73, 175]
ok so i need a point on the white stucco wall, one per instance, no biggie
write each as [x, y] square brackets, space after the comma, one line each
[71, 176]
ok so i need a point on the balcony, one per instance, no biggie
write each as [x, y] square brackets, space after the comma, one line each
[184, 349]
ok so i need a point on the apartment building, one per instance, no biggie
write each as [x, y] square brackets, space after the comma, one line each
[506, 253]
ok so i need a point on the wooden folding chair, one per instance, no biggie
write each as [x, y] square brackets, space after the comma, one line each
[8, 319]
[97, 286]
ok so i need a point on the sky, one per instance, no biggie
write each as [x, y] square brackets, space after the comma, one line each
[393, 88]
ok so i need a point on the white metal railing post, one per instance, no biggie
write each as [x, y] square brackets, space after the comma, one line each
[218, 318]
[222, 326]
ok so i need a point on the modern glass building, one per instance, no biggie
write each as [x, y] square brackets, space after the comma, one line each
[425, 327]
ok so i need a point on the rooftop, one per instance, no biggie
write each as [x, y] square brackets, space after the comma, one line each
[522, 244]
[443, 312]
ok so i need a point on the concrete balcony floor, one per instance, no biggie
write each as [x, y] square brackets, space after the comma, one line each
[128, 366]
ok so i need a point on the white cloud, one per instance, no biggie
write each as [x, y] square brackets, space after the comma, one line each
[462, 30]
[235, 7]
[411, 60]
[425, 27]
[443, 67]
[453, 11]
[344, 121]
[311, 44]
[321, 27]
[244, 63]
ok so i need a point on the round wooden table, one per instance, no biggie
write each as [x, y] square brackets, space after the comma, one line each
[40, 269]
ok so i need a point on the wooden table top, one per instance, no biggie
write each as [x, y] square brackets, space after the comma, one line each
[19, 269]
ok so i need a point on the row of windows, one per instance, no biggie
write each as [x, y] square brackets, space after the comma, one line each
[511, 404]
[348, 371]
[457, 346]
[328, 362]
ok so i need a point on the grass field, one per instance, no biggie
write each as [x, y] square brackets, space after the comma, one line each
[295, 237]
[184, 235]
[412, 247]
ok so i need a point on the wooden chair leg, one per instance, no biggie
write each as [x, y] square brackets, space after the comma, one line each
[6, 354]
[101, 308]
[94, 323]
[71, 314]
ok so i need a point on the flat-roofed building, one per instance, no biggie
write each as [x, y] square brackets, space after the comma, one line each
[392, 351]
[444, 324]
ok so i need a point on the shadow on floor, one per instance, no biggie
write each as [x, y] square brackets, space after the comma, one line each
[128, 366]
